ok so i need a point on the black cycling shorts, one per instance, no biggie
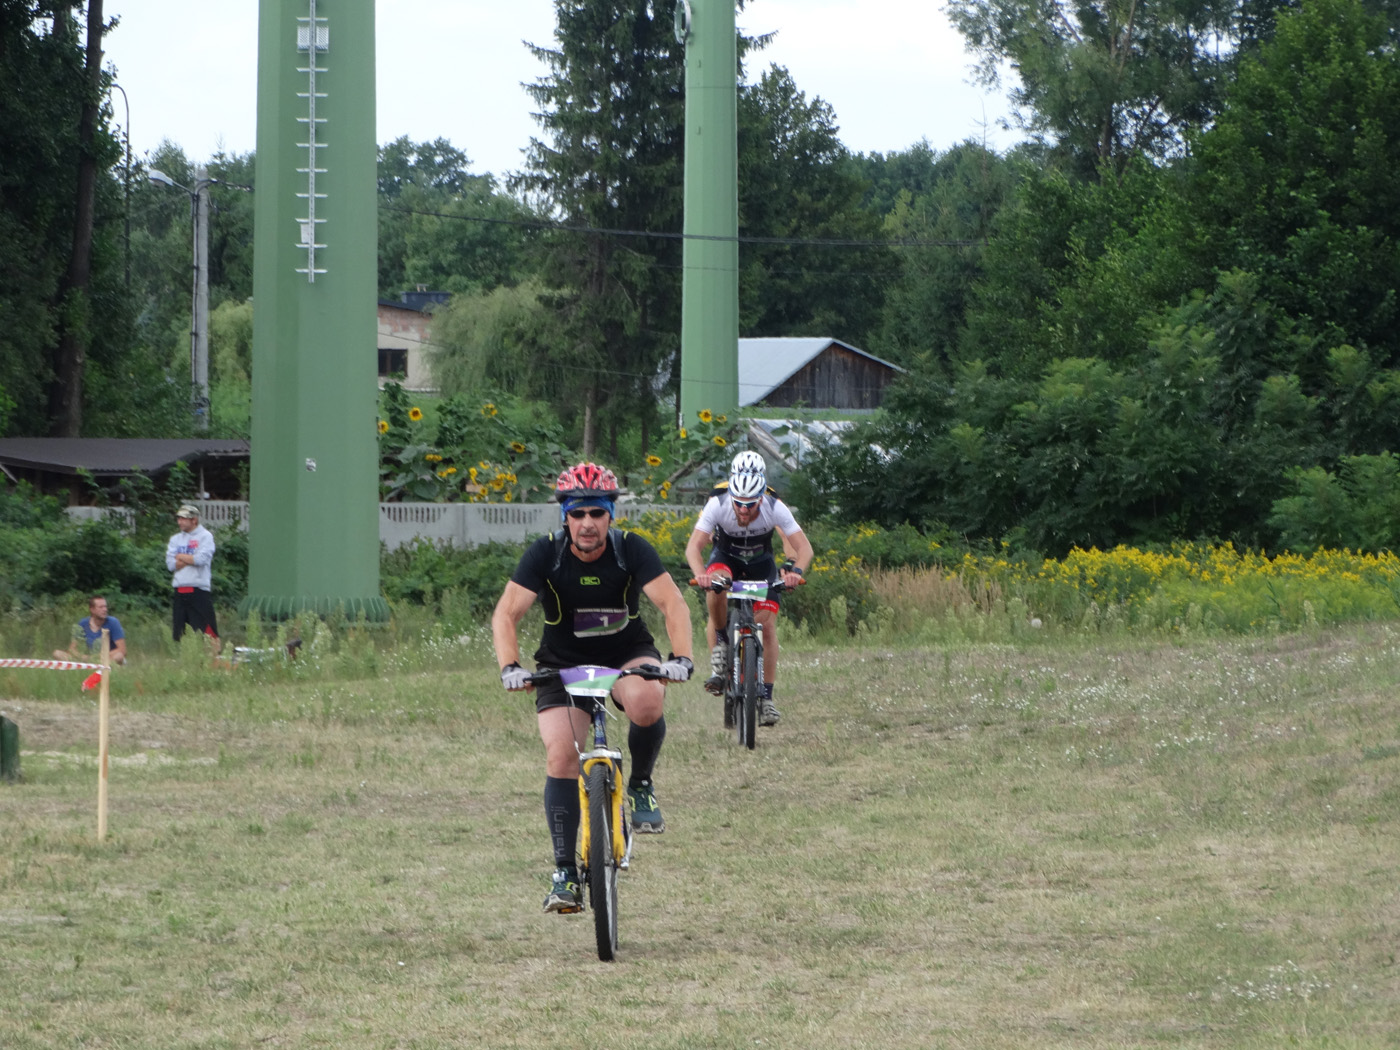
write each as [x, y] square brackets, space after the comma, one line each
[765, 568]
[552, 693]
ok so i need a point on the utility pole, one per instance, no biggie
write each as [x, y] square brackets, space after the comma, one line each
[199, 327]
[199, 293]
[126, 180]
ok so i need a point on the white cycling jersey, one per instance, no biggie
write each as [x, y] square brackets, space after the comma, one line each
[745, 542]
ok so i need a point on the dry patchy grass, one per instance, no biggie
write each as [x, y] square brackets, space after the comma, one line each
[1139, 843]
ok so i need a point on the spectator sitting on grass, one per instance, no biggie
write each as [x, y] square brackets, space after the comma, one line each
[88, 632]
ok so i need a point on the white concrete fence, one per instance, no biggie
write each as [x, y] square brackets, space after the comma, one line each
[400, 524]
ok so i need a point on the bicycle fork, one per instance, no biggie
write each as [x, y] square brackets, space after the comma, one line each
[754, 632]
[621, 832]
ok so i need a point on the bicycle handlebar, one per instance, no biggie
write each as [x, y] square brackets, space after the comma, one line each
[651, 672]
[723, 584]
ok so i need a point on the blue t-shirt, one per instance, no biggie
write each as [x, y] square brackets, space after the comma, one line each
[111, 624]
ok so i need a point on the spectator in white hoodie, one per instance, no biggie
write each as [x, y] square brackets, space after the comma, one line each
[189, 555]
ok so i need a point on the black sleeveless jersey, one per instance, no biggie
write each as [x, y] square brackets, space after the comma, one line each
[591, 609]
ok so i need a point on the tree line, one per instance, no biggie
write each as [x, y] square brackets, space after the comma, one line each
[1193, 339]
[1167, 312]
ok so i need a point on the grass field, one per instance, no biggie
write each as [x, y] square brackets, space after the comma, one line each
[1129, 843]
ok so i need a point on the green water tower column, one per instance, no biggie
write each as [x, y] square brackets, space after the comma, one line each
[314, 503]
[710, 261]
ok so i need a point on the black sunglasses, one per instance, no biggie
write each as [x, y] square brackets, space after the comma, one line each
[591, 512]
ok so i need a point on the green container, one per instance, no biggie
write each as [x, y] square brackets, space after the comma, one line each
[9, 749]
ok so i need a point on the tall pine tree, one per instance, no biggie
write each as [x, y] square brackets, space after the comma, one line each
[612, 108]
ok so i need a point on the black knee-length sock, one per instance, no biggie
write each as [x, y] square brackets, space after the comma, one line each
[645, 744]
[561, 812]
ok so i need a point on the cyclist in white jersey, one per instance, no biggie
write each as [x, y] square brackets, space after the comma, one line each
[740, 522]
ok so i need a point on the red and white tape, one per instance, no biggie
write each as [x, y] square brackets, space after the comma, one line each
[54, 665]
[92, 681]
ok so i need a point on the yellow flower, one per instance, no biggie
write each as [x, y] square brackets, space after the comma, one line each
[433, 457]
[505, 498]
[471, 473]
[721, 419]
[719, 441]
[450, 470]
[517, 447]
[653, 461]
[705, 415]
[383, 426]
[684, 435]
[415, 413]
[665, 486]
[488, 410]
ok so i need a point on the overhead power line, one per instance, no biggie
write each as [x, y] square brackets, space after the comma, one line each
[820, 242]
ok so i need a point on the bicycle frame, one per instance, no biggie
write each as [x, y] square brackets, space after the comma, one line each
[742, 628]
[589, 687]
[595, 685]
[741, 622]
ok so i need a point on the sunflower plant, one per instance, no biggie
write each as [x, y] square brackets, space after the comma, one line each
[685, 454]
[480, 451]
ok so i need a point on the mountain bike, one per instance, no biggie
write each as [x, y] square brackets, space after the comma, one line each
[605, 825]
[743, 672]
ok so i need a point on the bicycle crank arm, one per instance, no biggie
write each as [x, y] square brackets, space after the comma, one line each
[627, 854]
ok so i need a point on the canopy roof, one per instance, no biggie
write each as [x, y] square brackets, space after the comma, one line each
[115, 456]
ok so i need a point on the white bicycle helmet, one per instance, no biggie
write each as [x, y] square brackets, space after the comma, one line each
[747, 476]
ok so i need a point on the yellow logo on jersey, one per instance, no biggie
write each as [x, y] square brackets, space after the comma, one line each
[589, 581]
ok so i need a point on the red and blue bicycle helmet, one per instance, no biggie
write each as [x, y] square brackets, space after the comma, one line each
[586, 485]
[585, 481]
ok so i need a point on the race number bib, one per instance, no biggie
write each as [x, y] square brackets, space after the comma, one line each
[595, 623]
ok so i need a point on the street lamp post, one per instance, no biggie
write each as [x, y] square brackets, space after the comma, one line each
[199, 310]
[126, 182]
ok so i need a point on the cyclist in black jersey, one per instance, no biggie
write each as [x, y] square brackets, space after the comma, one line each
[589, 578]
[740, 521]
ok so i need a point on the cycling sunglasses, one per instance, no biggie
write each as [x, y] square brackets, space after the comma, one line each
[591, 512]
[747, 504]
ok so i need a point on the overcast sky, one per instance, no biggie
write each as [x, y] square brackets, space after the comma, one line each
[894, 71]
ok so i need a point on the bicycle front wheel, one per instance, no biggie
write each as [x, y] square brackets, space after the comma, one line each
[602, 868]
[747, 714]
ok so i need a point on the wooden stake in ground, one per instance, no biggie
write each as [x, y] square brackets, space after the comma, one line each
[102, 735]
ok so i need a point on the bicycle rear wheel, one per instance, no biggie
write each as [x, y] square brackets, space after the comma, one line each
[746, 716]
[602, 868]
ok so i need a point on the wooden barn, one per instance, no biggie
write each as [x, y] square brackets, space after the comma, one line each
[803, 372]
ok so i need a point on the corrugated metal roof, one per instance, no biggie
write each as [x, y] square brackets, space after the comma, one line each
[114, 455]
[765, 364]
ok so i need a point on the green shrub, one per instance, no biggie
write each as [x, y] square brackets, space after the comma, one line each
[23, 508]
[1358, 508]
[460, 584]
